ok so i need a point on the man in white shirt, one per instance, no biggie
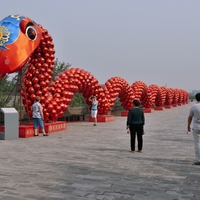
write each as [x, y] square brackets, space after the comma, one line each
[194, 115]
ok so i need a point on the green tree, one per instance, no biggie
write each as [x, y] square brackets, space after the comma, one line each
[78, 101]
[59, 67]
[6, 87]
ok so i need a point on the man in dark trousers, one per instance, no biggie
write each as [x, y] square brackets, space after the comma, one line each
[135, 123]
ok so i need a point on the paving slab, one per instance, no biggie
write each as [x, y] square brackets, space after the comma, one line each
[94, 163]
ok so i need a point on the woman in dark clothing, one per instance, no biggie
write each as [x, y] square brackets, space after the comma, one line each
[135, 123]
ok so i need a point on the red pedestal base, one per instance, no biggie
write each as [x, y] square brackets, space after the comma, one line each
[54, 126]
[124, 113]
[26, 131]
[148, 110]
[159, 108]
[102, 118]
[168, 106]
[2, 129]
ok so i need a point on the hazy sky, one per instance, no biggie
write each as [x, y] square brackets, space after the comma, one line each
[154, 41]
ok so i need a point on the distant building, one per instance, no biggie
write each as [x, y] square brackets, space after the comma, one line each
[195, 91]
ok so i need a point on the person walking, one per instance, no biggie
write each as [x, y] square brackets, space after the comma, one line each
[135, 124]
[94, 109]
[38, 117]
[194, 115]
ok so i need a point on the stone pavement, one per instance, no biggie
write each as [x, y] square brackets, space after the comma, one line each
[86, 162]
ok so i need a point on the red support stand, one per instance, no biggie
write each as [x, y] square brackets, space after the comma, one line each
[54, 126]
[148, 110]
[124, 113]
[168, 106]
[102, 118]
[159, 108]
[26, 131]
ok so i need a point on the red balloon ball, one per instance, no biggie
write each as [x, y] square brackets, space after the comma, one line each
[36, 73]
[43, 84]
[53, 112]
[42, 100]
[58, 90]
[62, 106]
[36, 87]
[44, 91]
[39, 93]
[42, 60]
[42, 70]
[60, 114]
[54, 103]
[32, 97]
[66, 107]
[58, 108]
[31, 90]
[54, 118]
[49, 71]
[35, 80]
[64, 100]
[28, 83]
[29, 75]
[45, 66]
[58, 100]
[56, 95]
[41, 77]
[51, 66]
[47, 82]
[46, 75]
[30, 113]
[51, 89]
[44, 110]
[46, 114]
[50, 108]
[68, 101]
[29, 102]
[34, 61]
[48, 60]
[38, 65]
[48, 96]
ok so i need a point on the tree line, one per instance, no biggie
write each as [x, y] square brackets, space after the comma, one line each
[10, 88]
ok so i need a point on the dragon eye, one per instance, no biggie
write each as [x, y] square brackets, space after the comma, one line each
[27, 27]
[31, 33]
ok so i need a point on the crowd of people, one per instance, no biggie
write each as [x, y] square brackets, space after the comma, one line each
[134, 124]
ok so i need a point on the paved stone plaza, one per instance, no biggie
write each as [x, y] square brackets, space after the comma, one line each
[86, 162]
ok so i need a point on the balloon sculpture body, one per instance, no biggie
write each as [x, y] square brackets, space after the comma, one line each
[23, 41]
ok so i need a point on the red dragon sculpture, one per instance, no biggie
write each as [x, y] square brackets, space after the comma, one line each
[23, 41]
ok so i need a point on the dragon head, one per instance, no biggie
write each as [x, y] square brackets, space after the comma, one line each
[19, 37]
